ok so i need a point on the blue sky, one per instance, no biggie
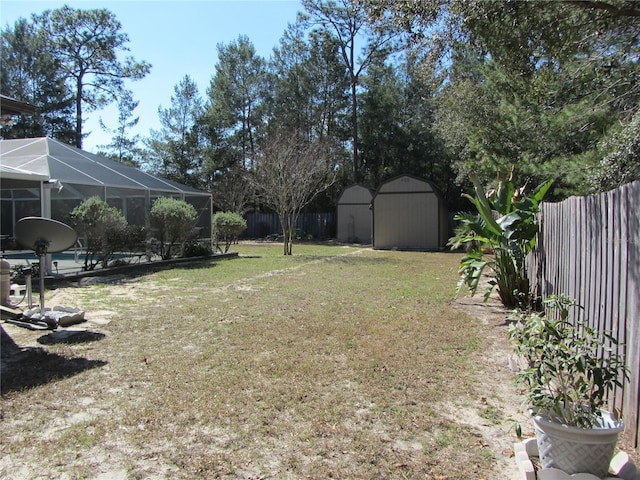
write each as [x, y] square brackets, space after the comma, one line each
[178, 38]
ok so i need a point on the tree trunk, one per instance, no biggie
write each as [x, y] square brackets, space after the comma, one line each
[288, 222]
[289, 243]
[354, 128]
[79, 113]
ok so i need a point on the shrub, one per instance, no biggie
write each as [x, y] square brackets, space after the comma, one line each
[196, 248]
[569, 369]
[128, 239]
[174, 220]
[227, 227]
[100, 224]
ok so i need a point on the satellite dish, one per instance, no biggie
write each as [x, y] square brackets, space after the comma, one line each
[44, 234]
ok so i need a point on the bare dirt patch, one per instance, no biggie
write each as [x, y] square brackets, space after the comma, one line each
[500, 408]
[502, 399]
[351, 366]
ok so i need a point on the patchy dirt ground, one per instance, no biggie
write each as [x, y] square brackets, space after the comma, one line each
[501, 395]
[501, 388]
[491, 414]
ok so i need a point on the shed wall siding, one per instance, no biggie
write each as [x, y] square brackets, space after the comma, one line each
[354, 223]
[354, 215]
[406, 221]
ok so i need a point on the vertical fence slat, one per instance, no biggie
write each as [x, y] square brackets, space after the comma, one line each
[624, 268]
[576, 251]
[627, 294]
[589, 249]
[616, 281]
[632, 392]
[262, 225]
[594, 231]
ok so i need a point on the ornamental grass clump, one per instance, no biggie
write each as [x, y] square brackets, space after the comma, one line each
[568, 367]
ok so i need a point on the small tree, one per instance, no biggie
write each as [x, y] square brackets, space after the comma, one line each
[227, 227]
[173, 219]
[231, 189]
[88, 46]
[99, 223]
[123, 147]
[289, 173]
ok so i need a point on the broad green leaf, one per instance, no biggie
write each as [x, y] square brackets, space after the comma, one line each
[484, 207]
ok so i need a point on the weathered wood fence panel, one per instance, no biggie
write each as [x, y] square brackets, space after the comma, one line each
[589, 249]
[319, 225]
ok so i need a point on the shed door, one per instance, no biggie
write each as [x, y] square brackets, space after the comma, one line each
[406, 221]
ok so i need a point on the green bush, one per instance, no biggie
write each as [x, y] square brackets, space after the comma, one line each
[102, 225]
[196, 248]
[227, 227]
[127, 239]
[569, 368]
[173, 221]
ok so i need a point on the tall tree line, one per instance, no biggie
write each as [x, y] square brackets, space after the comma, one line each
[550, 87]
[66, 62]
[437, 89]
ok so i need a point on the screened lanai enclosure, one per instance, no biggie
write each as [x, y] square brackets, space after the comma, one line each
[47, 178]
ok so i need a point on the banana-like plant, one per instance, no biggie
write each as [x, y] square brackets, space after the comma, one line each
[498, 238]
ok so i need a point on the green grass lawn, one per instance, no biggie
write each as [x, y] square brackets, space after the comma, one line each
[335, 362]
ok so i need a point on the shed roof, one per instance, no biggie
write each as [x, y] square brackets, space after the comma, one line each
[355, 194]
[56, 160]
[407, 184]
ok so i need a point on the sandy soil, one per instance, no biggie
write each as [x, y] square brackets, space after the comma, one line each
[499, 393]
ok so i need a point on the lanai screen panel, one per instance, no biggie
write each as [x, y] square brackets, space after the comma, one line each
[203, 207]
[69, 196]
[18, 203]
[71, 165]
[83, 175]
[19, 196]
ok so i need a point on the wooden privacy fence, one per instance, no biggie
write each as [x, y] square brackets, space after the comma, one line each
[589, 249]
[318, 225]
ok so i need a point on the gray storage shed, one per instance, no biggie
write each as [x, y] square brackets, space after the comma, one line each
[354, 215]
[409, 214]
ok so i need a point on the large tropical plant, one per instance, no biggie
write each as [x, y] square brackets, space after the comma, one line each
[498, 238]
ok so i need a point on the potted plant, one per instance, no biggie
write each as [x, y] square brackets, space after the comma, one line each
[568, 368]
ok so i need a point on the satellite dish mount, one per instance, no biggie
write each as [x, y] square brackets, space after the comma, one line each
[43, 236]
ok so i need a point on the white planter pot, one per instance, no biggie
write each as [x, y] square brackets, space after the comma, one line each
[577, 450]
